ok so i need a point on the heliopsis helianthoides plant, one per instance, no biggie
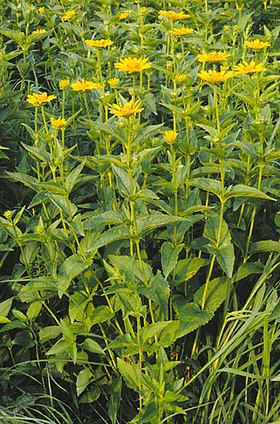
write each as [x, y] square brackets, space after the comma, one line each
[99, 44]
[139, 223]
[215, 77]
[128, 109]
[133, 64]
[181, 32]
[257, 44]
[249, 67]
[40, 99]
[213, 57]
[173, 16]
[68, 15]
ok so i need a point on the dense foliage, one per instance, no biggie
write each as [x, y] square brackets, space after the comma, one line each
[139, 228]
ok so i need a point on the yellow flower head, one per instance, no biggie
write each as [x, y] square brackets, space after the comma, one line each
[85, 85]
[170, 136]
[99, 44]
[257, 44]
[113, 82]
[68, 15]
[8, 214]
[39, 99]
[180, 32]
[213, 57]
[130, 108]
[58, 123]
[173, 16]
[249, 68]
[181, 77]
[39, 31]
[41, 10]
[63, 84]
[215, 76]
[142, 10]
[132, 64]
[123, 15]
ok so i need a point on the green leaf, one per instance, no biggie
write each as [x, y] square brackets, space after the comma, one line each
[153, 221]
[265, 246]
[73, 177]
[104, 218]
[190, 315]
[188, 268]
[33, 310]
[150, 103]
[71, 268]
[159, 292]
[59, 347]
[241, 190]
[49, 333]
[5, 306]
[220, 242]
[83, 380]
[247, 269]
[129, 373]
[150, 331]
[115, 399]
[207, 184]
[67, 207]
[132, 267]
[27, 180]
[125, 185]
[101, 314]
[120, 232]
[216, 293]
[92, 346]
[169, 257]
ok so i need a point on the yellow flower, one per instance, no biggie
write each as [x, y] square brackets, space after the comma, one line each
[98, 43]
[39, 99]
[85, 85]
[257, 44]
[123, 15]
[180, 77]
[226, 27]
[113, 82]
[179, 32]
[8, 214]
[173, 16]
[143, 10]
[63, 84]
[215, 76]
[39, 31]
[213, 57]
[58, 123]
[41, 10]
[132, 64]
[68, 15]
[249, 68]
[170, 136]
[130, 108]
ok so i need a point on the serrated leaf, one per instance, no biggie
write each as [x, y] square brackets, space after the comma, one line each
[83, 380]
[241, 190]
[265, 246]
[101, 314]
[159, 292]
[73, 177]
[49, 333]
[125, 185]
[216, 293]
[120, 232]
[115, 399]
[190, 315]
[153, 221]
[92, 346]
[129, 373]
[71, 268]
[5, 307]
[169, 257]
[33, 310]
[187, 268]
[207, 184]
